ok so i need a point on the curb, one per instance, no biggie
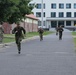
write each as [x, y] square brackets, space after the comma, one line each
[2, 45]
[24, 40]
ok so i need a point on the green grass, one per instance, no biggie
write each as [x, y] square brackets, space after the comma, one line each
[7, 40]
[74, 39]
[11, 37]
[75, 43]
[74, 33]
[31, 34]
[48, 32]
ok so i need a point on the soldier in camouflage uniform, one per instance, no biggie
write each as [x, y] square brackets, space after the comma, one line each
[60, 30]
[41, 33]
[18, 35]
[1, 34]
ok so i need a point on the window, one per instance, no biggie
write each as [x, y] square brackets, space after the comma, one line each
[53, 24]
[60, 23]
[61, 14]
[68, 5]
[44, 23]
[44, 5]
[32, 4]
[53, 6]
[44, 14]
[53, 14]
[38, 14]
[68, 14]
[74, 23]
[68, 23]
[38, 6]
[74, 5]
[39, 23]
[74, 14]
[61, 5]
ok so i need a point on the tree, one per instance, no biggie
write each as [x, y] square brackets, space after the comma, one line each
[13, 11]
[5, 7]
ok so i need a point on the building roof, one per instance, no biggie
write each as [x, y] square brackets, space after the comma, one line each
[32, 16]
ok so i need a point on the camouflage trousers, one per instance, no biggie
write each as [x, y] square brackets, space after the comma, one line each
[1, 38]
[18, 40]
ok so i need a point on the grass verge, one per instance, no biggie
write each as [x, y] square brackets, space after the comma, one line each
[74, 39]
[10, 37]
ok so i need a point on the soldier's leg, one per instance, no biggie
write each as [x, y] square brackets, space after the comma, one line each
[1, 38]
[18, 44]
[59, 36]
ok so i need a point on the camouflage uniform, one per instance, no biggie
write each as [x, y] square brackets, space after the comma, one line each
[41, 33]
[1, 34]
[60, 30]
[18, 33]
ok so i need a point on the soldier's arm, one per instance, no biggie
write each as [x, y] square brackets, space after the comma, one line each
[24, 31]
[13, 31]
[62, 29]
[2, 30]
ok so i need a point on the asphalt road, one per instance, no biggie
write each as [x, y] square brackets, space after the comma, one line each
[48, 57]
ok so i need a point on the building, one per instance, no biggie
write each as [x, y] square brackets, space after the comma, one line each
[55, 12]
[30, 24]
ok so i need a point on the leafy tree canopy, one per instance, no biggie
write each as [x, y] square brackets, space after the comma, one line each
[13, 11]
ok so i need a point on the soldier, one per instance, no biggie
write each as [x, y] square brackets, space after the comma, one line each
[18, 35]
[1, 34]
[41, 33]
[60, 30]
[56, 30]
